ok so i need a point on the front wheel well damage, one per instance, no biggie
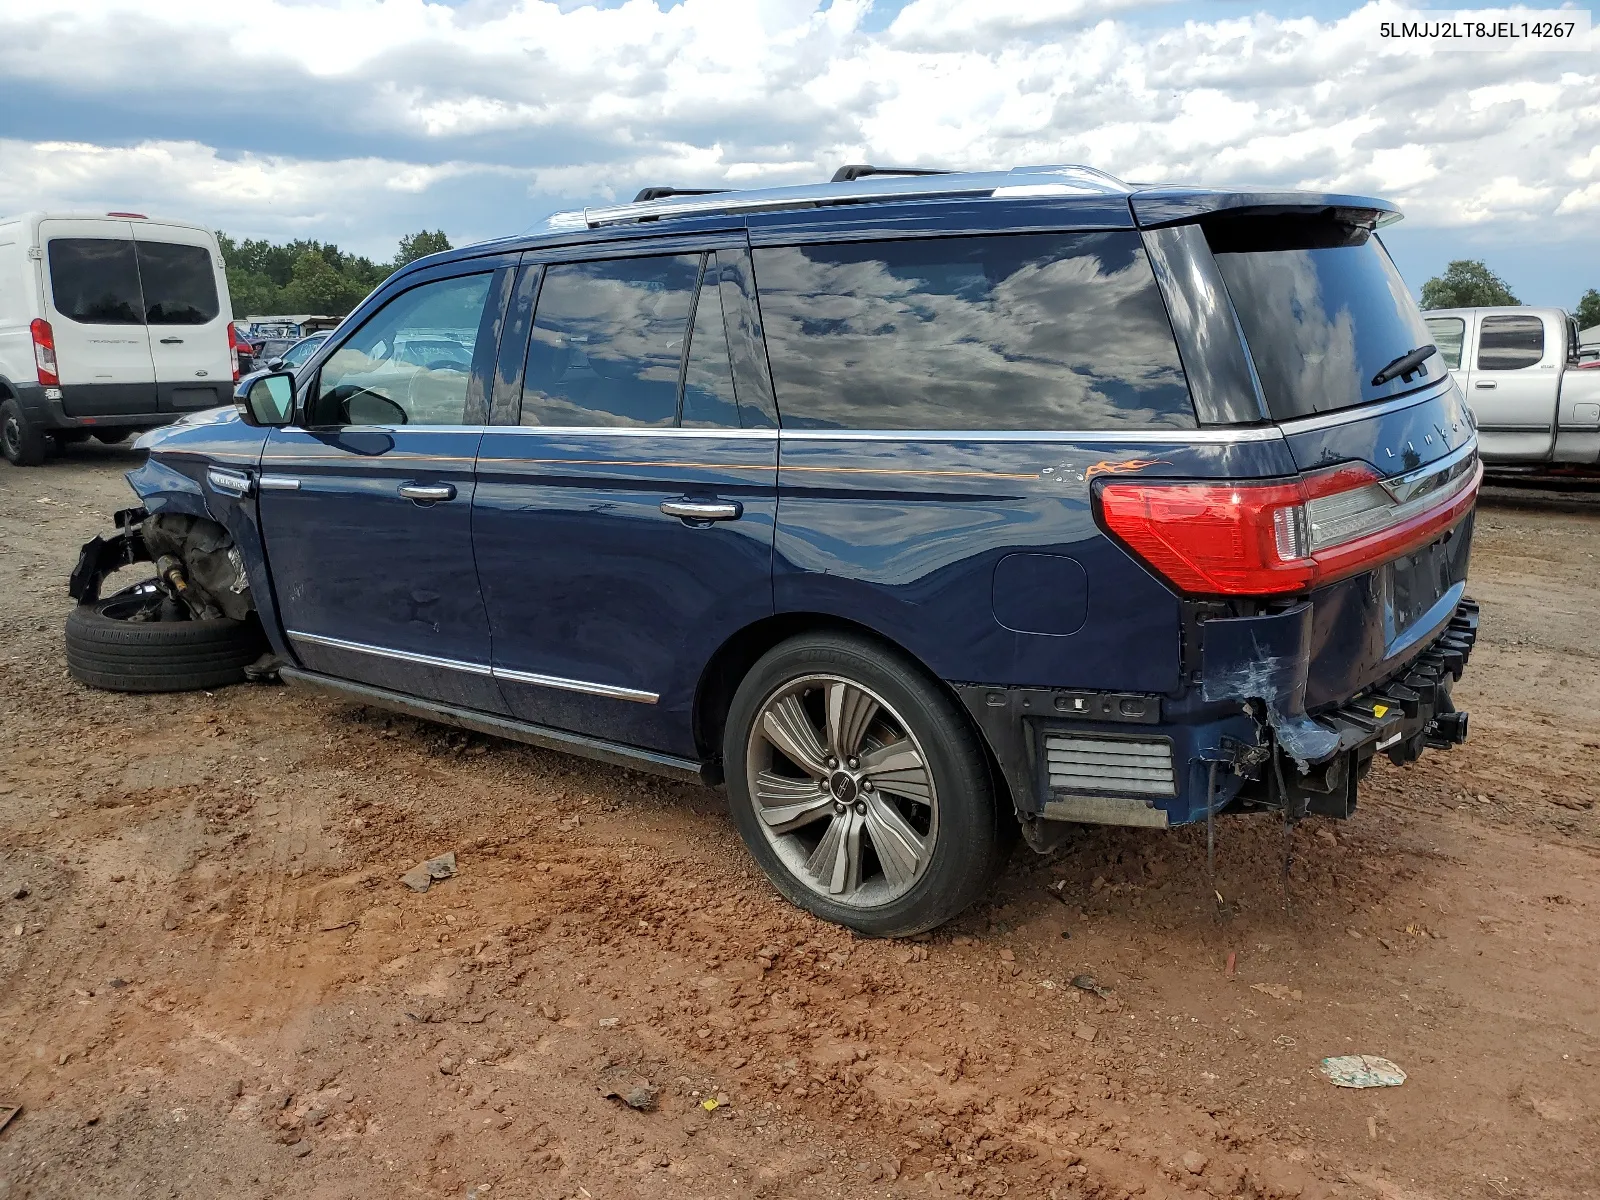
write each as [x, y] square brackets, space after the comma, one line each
[195, 558]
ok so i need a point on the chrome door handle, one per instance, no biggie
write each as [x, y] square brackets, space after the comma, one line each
[428, 493]
[1485, 384]
[229, 482]
[703, 510]
[278, 483]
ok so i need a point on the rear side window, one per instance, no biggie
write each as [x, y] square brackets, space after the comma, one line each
[708, 399]
[1323, 309]
[1510, 343]
[1009, 332]
[95, 281]
[608, 342]
[180, 287]
[1448, 335]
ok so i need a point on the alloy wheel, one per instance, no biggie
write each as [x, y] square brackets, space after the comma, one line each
[842, 790]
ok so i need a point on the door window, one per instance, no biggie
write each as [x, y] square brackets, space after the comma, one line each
[95, 281]
[410, 363]
[1025, 331]
[180, 286]
[1510, 343]
[1448, 334]
[608, 342]
[708, 399]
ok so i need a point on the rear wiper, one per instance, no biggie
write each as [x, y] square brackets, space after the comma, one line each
[1406, 365]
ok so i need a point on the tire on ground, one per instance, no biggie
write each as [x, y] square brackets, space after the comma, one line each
[975, 826]
[22, 443]
[158, 656]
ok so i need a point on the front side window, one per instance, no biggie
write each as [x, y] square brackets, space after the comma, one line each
[95, 281]
[410, 363]
[1011, 332]
[180, 286]
[607, 345]
[1510, 343]
[1448, 334]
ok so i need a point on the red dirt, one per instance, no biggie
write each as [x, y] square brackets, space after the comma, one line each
[216, 985]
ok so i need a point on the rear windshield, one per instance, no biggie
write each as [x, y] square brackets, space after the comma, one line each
[1323, 309]
[180, 288]
[95, 281]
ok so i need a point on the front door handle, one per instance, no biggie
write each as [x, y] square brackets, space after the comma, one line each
[428, 493]
[1485, 384]
[172, 341]
[703, 510]
[278, 483]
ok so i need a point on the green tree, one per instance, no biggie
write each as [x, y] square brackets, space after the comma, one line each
[1588, 310]
[317, 286]
[416, 245]
[1466, 283]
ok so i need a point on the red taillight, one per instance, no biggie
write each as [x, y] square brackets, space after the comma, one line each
[1265, 539]
[233, 351]
[44, 353]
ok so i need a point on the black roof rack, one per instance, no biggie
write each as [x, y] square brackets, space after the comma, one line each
[854, 171]
[661, 193]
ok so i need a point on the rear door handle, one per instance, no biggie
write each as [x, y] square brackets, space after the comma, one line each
[703, 510]
[1486, 384]
[172, 341]
[428, 493]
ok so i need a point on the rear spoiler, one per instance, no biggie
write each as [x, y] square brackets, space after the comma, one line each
[1155, 207]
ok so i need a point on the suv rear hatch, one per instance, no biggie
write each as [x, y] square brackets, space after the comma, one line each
[1320, 592]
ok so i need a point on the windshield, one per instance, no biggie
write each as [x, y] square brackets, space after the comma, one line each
[1323, 310]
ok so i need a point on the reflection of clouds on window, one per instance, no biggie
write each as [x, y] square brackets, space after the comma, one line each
[608, 341]
[1030, 331]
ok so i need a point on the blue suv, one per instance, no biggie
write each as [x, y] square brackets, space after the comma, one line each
[919, 509]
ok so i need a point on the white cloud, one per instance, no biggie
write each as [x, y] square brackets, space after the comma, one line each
[538, 107]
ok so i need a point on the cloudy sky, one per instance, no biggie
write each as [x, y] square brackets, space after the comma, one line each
[358, 120]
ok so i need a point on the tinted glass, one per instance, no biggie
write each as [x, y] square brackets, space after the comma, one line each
[1510, 343]
[708, 401]
[410, 363]
[1323, 311]
[607, 343]
[1448, 334]
[180, 287]
[96, 281]
[1024, 331]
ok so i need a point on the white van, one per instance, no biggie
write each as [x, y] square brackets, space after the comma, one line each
[110, 323]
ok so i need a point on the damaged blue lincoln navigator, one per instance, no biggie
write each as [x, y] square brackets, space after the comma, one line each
[915, 507]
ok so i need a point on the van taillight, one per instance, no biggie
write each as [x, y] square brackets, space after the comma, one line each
[1265, 539]
[233, 350]
[44, 353]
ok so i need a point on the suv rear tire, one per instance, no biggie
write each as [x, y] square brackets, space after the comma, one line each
[860, 787]
[22, 444]
[108, 650]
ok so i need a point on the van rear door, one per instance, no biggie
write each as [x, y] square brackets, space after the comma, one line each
[95, 310]
[186, 306]
[1516, 363]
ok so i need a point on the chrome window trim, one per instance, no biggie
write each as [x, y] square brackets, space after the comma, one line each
[454, 664]
[635, 431]
[1245, 433]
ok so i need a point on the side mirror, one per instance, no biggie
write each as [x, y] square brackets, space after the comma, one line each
[275, 364]
[270, 400]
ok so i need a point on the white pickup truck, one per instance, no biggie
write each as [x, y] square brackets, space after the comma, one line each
[1519, 369]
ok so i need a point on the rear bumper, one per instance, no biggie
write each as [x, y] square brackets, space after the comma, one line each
[137, 409]
[1127, 759]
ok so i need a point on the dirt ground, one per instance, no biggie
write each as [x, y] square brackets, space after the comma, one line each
[213, 984]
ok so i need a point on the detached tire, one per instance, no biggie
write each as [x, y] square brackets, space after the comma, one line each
[107, 650]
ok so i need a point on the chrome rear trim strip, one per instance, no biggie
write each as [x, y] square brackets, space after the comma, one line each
[1362, 412]
[607, 690]
[1172, 437]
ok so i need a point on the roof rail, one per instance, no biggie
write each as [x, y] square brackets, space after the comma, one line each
[661, 193]
[854, 171]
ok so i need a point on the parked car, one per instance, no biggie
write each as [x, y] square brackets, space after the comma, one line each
[1516, 365]
[919, 512]
[291, 359]
[109, 323]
